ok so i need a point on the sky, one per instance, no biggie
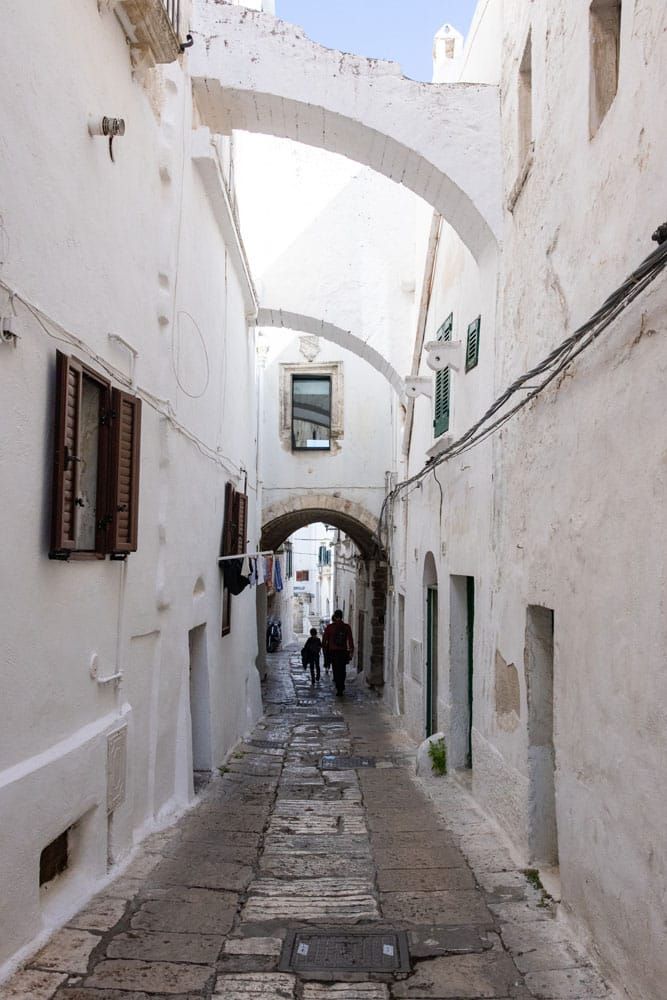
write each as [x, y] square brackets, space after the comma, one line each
[401, 30]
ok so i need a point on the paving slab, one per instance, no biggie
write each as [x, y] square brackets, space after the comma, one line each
[464, 907]
[204, 874]
[345, 991]
[429, 942]
[489, 975]
[256, 986]
[566, 984]
[418, 857]
[424, 879]
[151, 977]
[180, 917]
[68, 950]
[197, 949]
[101, 915]
[33, 984]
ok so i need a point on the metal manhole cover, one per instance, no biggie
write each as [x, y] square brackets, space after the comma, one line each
[334, 762]
[326, 951]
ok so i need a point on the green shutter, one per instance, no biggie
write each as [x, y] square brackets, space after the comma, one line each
[442, 385]
[472, 345]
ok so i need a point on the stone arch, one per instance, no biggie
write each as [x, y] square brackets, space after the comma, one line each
[283, 518]
[253, 72]
[282, 319]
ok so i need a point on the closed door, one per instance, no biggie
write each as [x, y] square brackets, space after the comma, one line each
[431, 660]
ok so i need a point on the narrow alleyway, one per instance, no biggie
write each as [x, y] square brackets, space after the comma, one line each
[317, 824]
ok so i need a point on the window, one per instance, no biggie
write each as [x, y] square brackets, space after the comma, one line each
[525, 103]
[472, 344]
[95, 465]
[302, 575]
[324, 555]
[442, 385]
[605, 45]
[311, 412]
[54, 859]
[234, 541]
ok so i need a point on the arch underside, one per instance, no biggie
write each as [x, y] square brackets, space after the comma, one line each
[299, 323]
[278, 530]
[255, 73]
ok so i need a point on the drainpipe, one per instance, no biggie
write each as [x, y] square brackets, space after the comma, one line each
[424, 303]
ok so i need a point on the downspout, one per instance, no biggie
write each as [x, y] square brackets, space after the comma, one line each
[424, 303]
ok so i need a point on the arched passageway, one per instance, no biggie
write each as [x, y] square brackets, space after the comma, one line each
[253, 72]
[282, 520]
[281, 319]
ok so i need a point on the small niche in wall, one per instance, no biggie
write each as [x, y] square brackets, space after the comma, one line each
[54, 859]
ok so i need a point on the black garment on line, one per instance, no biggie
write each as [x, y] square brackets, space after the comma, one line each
[235, 582]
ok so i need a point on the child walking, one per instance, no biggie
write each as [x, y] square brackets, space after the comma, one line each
[310, 654]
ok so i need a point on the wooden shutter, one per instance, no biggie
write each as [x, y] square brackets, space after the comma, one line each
[442, 385]
[472, 345]
[240, 521]
[124, 486]
[69, 378]
[227, 534]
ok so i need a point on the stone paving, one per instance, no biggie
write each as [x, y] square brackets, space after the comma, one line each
[293, 839]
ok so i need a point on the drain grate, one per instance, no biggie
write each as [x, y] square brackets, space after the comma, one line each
[326, 951]
[333, 762]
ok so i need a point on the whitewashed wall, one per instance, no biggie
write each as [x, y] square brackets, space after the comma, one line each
[131, 248]
[563, 510]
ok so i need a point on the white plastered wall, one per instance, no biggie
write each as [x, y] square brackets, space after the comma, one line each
[131, 248]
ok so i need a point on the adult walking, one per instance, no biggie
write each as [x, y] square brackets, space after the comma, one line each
[338, 644]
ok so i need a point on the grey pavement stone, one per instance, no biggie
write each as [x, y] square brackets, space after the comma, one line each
[206, 874]
[253, 946]
[398, 820]
[68, 951]
[566, 984]
[489, 975]
[345, 991]
[181, 917]
[424, 879]
[418, 857]
[32, 984]
[198, 949]
[83, 993]
[429, 942]
[275, 986]
[100, 915]
[465, 907]
[151, 977]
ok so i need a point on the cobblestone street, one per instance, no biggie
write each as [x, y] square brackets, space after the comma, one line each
[318, 823]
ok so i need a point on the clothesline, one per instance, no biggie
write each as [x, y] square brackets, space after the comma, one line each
[248, 555]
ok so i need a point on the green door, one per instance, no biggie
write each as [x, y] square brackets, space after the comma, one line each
[431, 660]
[470, 604]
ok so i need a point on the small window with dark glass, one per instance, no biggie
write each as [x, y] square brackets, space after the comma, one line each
[311, 412]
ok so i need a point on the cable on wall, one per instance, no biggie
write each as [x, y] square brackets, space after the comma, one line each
[550, 367]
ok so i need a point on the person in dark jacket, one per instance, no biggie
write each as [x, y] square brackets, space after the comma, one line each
[310, 655]
[338, 643]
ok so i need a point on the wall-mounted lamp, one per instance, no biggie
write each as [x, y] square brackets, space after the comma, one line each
[419, 385]
[445, 354]
[109, 127]
[8, 334]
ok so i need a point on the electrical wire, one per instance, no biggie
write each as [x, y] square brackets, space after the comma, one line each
[161, 406]
[551, 367]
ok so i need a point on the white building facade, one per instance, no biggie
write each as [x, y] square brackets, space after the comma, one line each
[511, 593]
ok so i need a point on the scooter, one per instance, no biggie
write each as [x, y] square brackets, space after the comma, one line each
[273, 637]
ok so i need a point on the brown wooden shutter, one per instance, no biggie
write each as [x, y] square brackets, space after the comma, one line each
[65, 456]
[240, 521]
[228, 531]
[124, 485]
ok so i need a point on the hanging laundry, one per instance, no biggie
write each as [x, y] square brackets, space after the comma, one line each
[277, 575]
[235, 582]
[245, 569]
[254, 574]
[268, 572]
